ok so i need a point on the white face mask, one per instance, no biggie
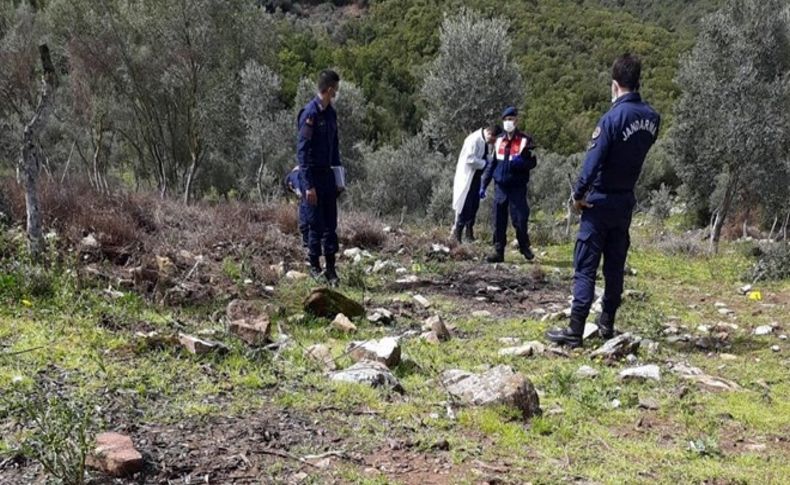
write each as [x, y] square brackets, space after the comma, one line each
[509, 125]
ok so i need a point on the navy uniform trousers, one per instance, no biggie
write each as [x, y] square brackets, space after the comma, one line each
[468, 214]
[604, 232]
[321, 218]
[511, 199]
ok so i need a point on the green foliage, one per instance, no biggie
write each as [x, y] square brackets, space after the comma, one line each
[774, 264]
[55, 429]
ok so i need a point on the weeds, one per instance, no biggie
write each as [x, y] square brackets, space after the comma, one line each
[55, 430]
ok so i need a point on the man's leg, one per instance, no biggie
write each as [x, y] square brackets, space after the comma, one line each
[500, 226]
[315, 231]
[586, 258]
[304, 226]
[473, 205]
[615, 252]
[519, 211]
[330, 245]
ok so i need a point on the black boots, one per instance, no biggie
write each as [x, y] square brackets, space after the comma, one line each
[528, 254]
[606, 325]
[496, 257]
[571, 336]
[470, 234]
[457, 233]
[331, 273]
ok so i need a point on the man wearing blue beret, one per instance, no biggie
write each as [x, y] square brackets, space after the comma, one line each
[513, 160]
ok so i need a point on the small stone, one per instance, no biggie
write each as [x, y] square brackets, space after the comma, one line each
[726, 311]
[430, 337]
[649, 403]
[371, 373]
[616, 404]
[481, 314]
[526, 350]
[511, 341]
[440, 249]
[745, 289]
[783, 337]
[631, 359]
[719, 304]
[755, 447]
[89, 242]
[253, 331]
[381, 316]
[586, 372]
[645, 372]
[342, 323]
[401, 271]
[352, 253]
[493, 289]
[423, 302]
[115, 455]
[651, 346]
[295, 275]
[775, 348]
[704, 329]
[320, 353]
[198, 346]
[380, 266]
[590, 329]
[763, 330]
[386, 350]
[728, 357]
[618, 347]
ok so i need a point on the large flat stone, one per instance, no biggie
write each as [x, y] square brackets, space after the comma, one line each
[324, 302]
[368, 372]
[386, 351]
[115, 455]
[499, 385]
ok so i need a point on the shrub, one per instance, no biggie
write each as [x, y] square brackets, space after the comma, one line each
[774, 264]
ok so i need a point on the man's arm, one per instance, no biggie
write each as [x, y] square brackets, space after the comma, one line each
[470, 149]
[304, 149]
[597, 150]
[336, 149]
[528, 154]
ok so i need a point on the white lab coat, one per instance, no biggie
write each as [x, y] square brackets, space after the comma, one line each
[469, 161]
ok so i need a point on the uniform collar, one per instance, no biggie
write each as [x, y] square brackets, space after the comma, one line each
[628, 98]
[319, 105]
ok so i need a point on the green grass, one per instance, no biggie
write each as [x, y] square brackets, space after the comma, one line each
[580, 434]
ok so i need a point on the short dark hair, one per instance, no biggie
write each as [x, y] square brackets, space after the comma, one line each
[626, 70]
[494, 129]
[327, 79]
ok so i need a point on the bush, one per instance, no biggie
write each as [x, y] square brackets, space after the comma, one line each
[688, 244]
[660, 203]
[773, 265]
[549, 184]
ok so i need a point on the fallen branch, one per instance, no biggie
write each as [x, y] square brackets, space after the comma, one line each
[9, 354]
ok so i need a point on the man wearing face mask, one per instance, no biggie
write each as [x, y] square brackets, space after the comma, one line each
[475, 155]
[513, 160]
[318, 155]
[604, 194]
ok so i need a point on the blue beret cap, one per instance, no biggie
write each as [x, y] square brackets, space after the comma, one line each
[510, 111]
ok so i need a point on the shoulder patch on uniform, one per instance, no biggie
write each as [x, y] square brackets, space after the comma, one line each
[309, 121]
[596, 133]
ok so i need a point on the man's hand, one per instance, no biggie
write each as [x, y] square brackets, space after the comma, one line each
[581, 204]
[312, 197]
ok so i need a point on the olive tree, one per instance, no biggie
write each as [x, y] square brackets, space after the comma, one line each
[471, 79]
[732, 121]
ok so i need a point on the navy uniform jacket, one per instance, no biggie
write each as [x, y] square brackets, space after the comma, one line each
[617, 152]
[317, 146]
[513, 159]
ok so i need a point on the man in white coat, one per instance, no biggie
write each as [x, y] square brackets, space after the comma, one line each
[475, 155]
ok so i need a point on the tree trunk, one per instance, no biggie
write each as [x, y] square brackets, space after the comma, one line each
[30, 156]
[773, 227]
[722, 212]
[190, 178]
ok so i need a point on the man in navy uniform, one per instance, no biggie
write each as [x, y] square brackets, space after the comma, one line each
[293, 185]
[513, 160]
[604, 194]
[317, 152]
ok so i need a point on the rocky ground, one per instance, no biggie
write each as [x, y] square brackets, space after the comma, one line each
[430, 368]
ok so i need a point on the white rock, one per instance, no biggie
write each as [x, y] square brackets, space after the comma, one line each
[719, 304]
[381, 316]
[616, 404]
[590, 329]
[631, 359]
[645, 372]
[371, 373]
[408, 280]
[342, 323]
[512, 341]
[745, 289]
[422, 301]
[783, 337]
[386, 350]
[352, 253]
[199, 346]
[586, 372]
[481, 314]
[440, 248]
[295, 275]
[776, 348]
[763, 330]
[496, 386]
[401, 271]
[526, 350]
[320, 353]
[726, 311]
